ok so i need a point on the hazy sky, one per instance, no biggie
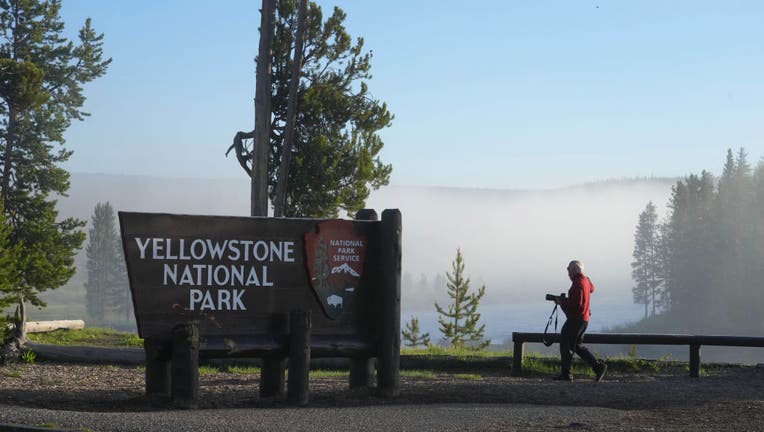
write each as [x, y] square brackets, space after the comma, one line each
[505, 94]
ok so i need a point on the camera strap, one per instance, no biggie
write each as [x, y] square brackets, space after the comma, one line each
[546, 339]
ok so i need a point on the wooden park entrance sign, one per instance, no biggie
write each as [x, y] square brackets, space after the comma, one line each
[276, 289]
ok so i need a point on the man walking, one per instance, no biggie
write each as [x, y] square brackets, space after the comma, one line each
[576, 308]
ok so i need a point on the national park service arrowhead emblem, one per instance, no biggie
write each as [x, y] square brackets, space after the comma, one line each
[335, 255]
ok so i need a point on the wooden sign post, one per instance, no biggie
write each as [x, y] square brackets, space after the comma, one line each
[213, 286]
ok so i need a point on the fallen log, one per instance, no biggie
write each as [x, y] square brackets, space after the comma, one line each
[48, 326]
[88, 354]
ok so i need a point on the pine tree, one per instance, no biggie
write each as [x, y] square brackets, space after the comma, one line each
[691, 231]
[411, 334]
[106, 290]
[712, 247]
[335, 160]
[734, 224]
[9, 274]
[646, 268]
[757, 236]
[41, 78]
[458, 324]
[663, 301]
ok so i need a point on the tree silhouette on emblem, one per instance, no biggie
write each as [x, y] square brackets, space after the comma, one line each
[321, 266]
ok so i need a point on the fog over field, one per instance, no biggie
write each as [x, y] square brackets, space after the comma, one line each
[516, 242]
[519, 242]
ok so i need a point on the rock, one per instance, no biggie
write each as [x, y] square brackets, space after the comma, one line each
[11, 351]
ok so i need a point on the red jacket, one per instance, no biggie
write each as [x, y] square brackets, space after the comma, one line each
[576, 306]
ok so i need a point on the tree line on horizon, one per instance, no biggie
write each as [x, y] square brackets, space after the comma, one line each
[700, 268]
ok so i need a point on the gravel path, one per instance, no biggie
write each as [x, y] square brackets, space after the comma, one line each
[449, 417]
[108, 398]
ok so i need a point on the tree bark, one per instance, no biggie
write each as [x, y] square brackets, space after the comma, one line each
[90, 354]
[242, 155]
[20, 332]
[260, 149]
[48, 326]
[8, 156]
[11, 348]
[294, 84]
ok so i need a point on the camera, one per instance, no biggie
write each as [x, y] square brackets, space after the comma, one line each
[552, 297]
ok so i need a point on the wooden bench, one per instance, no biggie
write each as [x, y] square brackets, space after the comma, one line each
[172, 364]
[693, 341]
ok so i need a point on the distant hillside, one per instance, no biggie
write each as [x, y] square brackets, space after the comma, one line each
[155, 194]
[517, 242]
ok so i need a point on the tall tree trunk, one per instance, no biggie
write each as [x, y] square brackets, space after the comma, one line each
[20, 329]
[262, 112]
[294, 84]
[8, 156]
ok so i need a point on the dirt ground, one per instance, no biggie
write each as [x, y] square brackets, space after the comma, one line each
[724, 399]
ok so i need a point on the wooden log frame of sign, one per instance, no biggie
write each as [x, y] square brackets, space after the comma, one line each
[277, 289]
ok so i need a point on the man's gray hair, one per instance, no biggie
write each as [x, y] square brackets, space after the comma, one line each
[577, 267]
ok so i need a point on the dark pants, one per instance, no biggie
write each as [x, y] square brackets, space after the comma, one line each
[571, 340]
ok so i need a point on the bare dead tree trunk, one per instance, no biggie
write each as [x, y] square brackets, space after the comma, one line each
[11, 348]
[8, 156]
[259, 194]
[20, 330]
[242, 155]
[294, 84]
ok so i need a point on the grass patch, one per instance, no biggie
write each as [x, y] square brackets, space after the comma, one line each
[11, 373]
[89, 337]
[45, 381]
[455, 360]
[459, 353]
[208, 370]
[111, 368]
[243, 370]
[537, 365]
[28, 356]
[322, 373]
[635, 365]
[418, 374]
[470, 377]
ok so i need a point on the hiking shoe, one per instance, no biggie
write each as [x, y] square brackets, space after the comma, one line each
[563, 377]
[599, 371]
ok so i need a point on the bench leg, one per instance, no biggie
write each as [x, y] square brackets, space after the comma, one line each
[185, 366]
[299, 358]
[694, 361]
[158, 370]
[517, 360]
[272, 377]
[361, 372]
